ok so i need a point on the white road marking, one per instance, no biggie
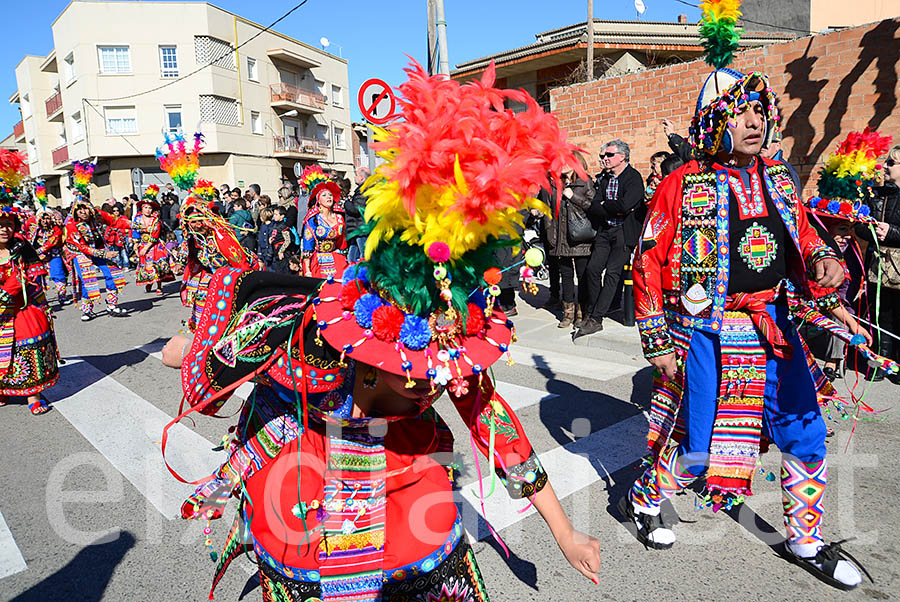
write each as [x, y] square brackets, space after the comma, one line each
[155, 350]
[519, 397]
[571, 468]
[126, 429]
[566, 363]
[11, 560]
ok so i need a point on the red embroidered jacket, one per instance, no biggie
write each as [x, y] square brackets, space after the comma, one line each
[86, 238]
[681, 268]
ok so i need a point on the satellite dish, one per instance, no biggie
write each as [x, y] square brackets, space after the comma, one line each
[639, 6]
[324, 42]
[298, 169]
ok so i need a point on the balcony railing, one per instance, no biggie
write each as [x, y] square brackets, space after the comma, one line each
[287, 93]
[60, 155]
[303, 146]
[53, 104]
[19, 130]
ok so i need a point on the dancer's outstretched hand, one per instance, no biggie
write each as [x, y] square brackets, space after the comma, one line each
[174, 351]
[583, 552]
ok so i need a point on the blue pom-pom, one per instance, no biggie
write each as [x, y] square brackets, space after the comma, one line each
[865, 211]
[477, 297]
[415, 333]
[857, 340]
[834, 206]
[365, 306]
[355, 271]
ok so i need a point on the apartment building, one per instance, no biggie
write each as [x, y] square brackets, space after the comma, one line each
[122, 73]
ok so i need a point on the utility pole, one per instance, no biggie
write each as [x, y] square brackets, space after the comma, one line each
[441, 24]
[590, 41]
[432, 39]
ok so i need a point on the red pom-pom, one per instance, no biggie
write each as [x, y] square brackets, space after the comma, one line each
[846, 209]
[350, 294]
[493, 276]
[386, 323]
[475, 320]
[859, 182]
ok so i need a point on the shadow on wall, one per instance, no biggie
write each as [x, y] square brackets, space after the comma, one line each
[878, 45]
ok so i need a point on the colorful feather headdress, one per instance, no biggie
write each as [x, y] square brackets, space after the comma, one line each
[13, 170]
[151, 192]
[460, 170]
[40, 194]
[82, 176]
[847, 178]
[312, 176]
[717, 31]
[182, 164]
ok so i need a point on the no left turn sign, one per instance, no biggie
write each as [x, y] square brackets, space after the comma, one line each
[376, 101]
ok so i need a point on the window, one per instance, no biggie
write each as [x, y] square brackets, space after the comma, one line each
[337, 95]
[255, 122]
[77, 127]
[173, 118]
[31, 151]
[69, 68]
[322, 88]
[218, 109]
[61, 137]
[25, 106]
[339, 139]
[322, 131]
[168, 61]
[114, 59]
[120, 120]
[252, 71]
[212, 51]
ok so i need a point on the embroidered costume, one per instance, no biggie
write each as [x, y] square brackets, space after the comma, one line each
[86, 251]
[154, 265]
[365, 511]
[730, 256]
[324, 245]
[46, 237]
[28, 354]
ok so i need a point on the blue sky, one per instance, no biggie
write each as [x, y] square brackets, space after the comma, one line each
[374, 36]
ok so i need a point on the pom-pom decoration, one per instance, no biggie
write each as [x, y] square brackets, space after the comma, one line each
[387, 321]
[83, 173]
[350, 294]
[182, 164]
[717, 31]
[40, 194]
[205, 190]
[312, 176]
[415, 333]
[365, 307]
[534, 257]
[493, 276]
[474, 320]
[439, 252]
[13, 170]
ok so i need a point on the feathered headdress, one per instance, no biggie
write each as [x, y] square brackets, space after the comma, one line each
[717, 31]
[204, 190]
[151, 192]
[181, 164]
[40, 194]
[460, 170]
[847, 178]
[83, 174]
[13, 170]
[314, 180]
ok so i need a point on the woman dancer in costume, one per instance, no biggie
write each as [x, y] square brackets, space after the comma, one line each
[84, 243]
[46, 237]
[340, 494]
[209, 240]
[28, 355]
[153, 259]
[324, 240]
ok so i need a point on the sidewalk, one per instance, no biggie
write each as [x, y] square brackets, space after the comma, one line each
[537, 329]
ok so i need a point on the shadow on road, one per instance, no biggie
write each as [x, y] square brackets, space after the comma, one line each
[86, 576]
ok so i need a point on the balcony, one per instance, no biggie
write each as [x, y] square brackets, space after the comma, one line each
[60, 155]
[299, 148]
[292, 58]
[54, 107]
[287, 97]
[19, 132]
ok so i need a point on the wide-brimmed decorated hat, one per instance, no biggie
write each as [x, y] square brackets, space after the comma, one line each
[149, 197]
[460, 170]
[13, 171]
[314, 180]
[846, 180]
[726, 90]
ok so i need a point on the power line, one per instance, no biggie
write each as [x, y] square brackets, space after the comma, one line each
[202, 67]
[803, 31]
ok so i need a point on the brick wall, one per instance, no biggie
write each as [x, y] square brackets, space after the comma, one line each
[828, 85]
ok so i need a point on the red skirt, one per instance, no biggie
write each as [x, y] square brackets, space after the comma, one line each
[34, 365]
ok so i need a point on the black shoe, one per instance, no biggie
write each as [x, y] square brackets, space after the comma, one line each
[590, 326]
[830, 373]
[877, 376]
[648, 524]
[827, 557]
[510, 312]
[894, 378]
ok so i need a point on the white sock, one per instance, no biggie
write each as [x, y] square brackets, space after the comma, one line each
[844, 571]
[661, 535]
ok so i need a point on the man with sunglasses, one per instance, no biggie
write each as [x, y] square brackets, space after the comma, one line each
[725, 247]
[620, 190]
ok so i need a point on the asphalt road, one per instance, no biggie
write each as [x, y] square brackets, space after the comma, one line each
[90, 513]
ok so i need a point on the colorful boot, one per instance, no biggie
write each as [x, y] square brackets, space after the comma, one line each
[803, 488]
[87, 310]
[61, 295]
[658, 483]
[112, 300]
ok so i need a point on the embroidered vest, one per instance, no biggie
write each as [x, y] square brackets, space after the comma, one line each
[703, 242]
